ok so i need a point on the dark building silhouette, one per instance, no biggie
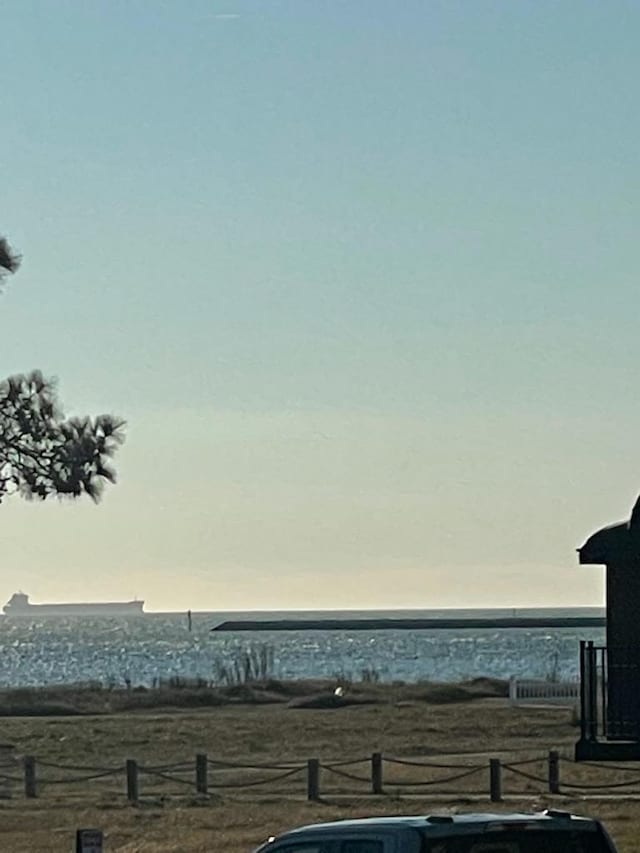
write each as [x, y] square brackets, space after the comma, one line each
[610, 689]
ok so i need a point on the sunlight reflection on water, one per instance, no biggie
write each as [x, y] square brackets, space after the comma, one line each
[160, 646]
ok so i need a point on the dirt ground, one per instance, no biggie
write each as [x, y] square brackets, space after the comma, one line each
[171, 817]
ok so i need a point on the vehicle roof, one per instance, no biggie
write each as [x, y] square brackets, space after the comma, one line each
[438, 821]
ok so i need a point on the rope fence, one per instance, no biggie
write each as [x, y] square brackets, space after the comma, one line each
[376, 774]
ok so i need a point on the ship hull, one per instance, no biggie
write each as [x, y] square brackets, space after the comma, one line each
[52, 611]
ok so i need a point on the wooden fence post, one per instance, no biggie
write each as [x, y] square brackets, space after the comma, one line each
[30, 782]
[7, 764]
[202, 764]
[495, 780]
[132, 780]
[313, 779]
[554, 772]
[376, 773]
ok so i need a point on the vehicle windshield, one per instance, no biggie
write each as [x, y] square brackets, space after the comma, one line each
[520, 841]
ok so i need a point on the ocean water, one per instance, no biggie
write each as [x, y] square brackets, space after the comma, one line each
[160, 646]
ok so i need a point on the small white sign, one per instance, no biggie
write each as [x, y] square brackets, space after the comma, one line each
[89, 841]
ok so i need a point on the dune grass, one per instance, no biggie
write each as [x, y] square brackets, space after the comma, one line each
[96, 699]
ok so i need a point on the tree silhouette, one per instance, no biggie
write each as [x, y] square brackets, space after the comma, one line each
[9, 261]
[42, 453]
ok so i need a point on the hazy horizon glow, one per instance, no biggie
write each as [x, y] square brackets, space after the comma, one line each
[363, 282]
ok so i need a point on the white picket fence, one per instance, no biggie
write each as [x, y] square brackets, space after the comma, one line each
[531, 691]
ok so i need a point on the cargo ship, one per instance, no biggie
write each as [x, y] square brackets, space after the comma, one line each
[20, 606]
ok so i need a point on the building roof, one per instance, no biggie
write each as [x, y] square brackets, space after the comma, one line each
[615, 543]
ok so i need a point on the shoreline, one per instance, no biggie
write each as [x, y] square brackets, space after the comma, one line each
[181, 694]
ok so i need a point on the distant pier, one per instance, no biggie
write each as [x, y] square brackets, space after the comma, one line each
[413, 624]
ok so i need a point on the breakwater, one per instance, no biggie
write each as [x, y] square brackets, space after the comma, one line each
[452, 624]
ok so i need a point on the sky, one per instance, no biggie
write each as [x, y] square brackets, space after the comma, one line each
[361, 277]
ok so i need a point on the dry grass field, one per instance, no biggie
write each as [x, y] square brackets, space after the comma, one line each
[423, 723]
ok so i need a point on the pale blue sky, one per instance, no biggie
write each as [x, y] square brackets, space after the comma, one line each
[362, 277]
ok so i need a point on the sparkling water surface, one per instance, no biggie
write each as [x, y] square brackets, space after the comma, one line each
[141, 650]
